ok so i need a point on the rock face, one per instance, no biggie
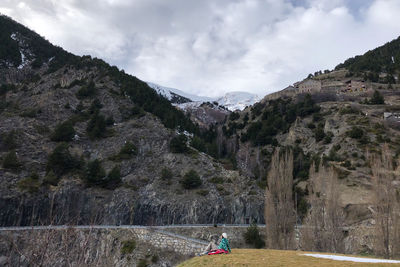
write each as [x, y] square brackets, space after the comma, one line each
[36, 98]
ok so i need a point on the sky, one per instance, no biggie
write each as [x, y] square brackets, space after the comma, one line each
[211, 47]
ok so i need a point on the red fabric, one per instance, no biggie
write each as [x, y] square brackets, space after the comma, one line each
[218, 251]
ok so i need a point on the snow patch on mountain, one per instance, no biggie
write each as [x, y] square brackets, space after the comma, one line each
[237, 100]
[169, 93]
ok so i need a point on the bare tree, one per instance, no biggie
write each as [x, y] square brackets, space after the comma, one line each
[322, 229]
[386, 204]
[279, 206]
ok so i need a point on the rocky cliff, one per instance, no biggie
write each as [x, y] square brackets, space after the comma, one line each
[82, 142]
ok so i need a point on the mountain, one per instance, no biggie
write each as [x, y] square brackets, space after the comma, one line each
[237, 100]
[177, 96]
[337, 118]
[82, 142]
[232, 100]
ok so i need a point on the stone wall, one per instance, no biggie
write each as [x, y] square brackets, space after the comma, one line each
[169, 241]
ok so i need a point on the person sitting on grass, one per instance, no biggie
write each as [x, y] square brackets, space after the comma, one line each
[224, 244]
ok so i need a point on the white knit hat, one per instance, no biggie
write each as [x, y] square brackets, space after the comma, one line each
[224, 235]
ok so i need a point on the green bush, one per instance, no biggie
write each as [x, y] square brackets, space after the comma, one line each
[202, 192]
[97, 126]
[355, 132]
[29, 113]
[154, 259]
[30, 184]
[11, 161]
[60, 161]
[4, 88]
[319, 134]
[128, 246]
[87, 91]
[9, 140]
[166, 174]
[110, 120]
[95, 173]
[216, 180]
[252, 236]
[126, 152]
[191, 180]
[95, 106]
[178, 144]
[50, 179]
[328, 138]
[64, 132]
[142, 263]
[376, 99]
[113, 179]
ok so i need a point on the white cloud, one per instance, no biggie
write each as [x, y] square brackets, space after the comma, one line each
[212, 47]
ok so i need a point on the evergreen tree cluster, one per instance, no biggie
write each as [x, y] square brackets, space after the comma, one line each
[276, 117]
[41, 48]
[382, 59]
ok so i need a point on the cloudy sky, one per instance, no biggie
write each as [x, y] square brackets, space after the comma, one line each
[210, 47]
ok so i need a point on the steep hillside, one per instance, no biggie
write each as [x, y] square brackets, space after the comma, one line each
[82, 142]
[382, 60]
[337, 119]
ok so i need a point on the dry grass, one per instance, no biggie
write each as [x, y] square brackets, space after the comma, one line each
[270, 258]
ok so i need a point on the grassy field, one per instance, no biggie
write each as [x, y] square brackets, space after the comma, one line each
[264, 257]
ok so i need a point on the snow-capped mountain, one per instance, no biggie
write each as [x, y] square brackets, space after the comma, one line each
[237, 100]
[177, 96]
[232, 100]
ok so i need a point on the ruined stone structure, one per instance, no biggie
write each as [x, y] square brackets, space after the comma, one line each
[309, 86]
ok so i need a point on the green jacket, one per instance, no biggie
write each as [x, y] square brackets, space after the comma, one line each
[224, 244]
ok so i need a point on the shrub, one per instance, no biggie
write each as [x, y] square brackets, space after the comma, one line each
[154, 259]
[29, 113]
[86, 91]
[95, 106]
[328, 138]
[252, 236]
[216, 180]
[319, 134]
[94, 173]
[128, 246]
[355, 132]
[166, 174]
[60, 161]
[348, 110]
[113, 179]
[110, 120]
[202, 192]
[11, 161]
[50, 179]
[9, 140]
[178, 144]
[97, 126]
[30, 184]
[126, 152]
[64, 132]
[191, 180]
[142, 263]
[376, 99]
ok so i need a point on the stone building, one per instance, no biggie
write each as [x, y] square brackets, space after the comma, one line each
[309, 86]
